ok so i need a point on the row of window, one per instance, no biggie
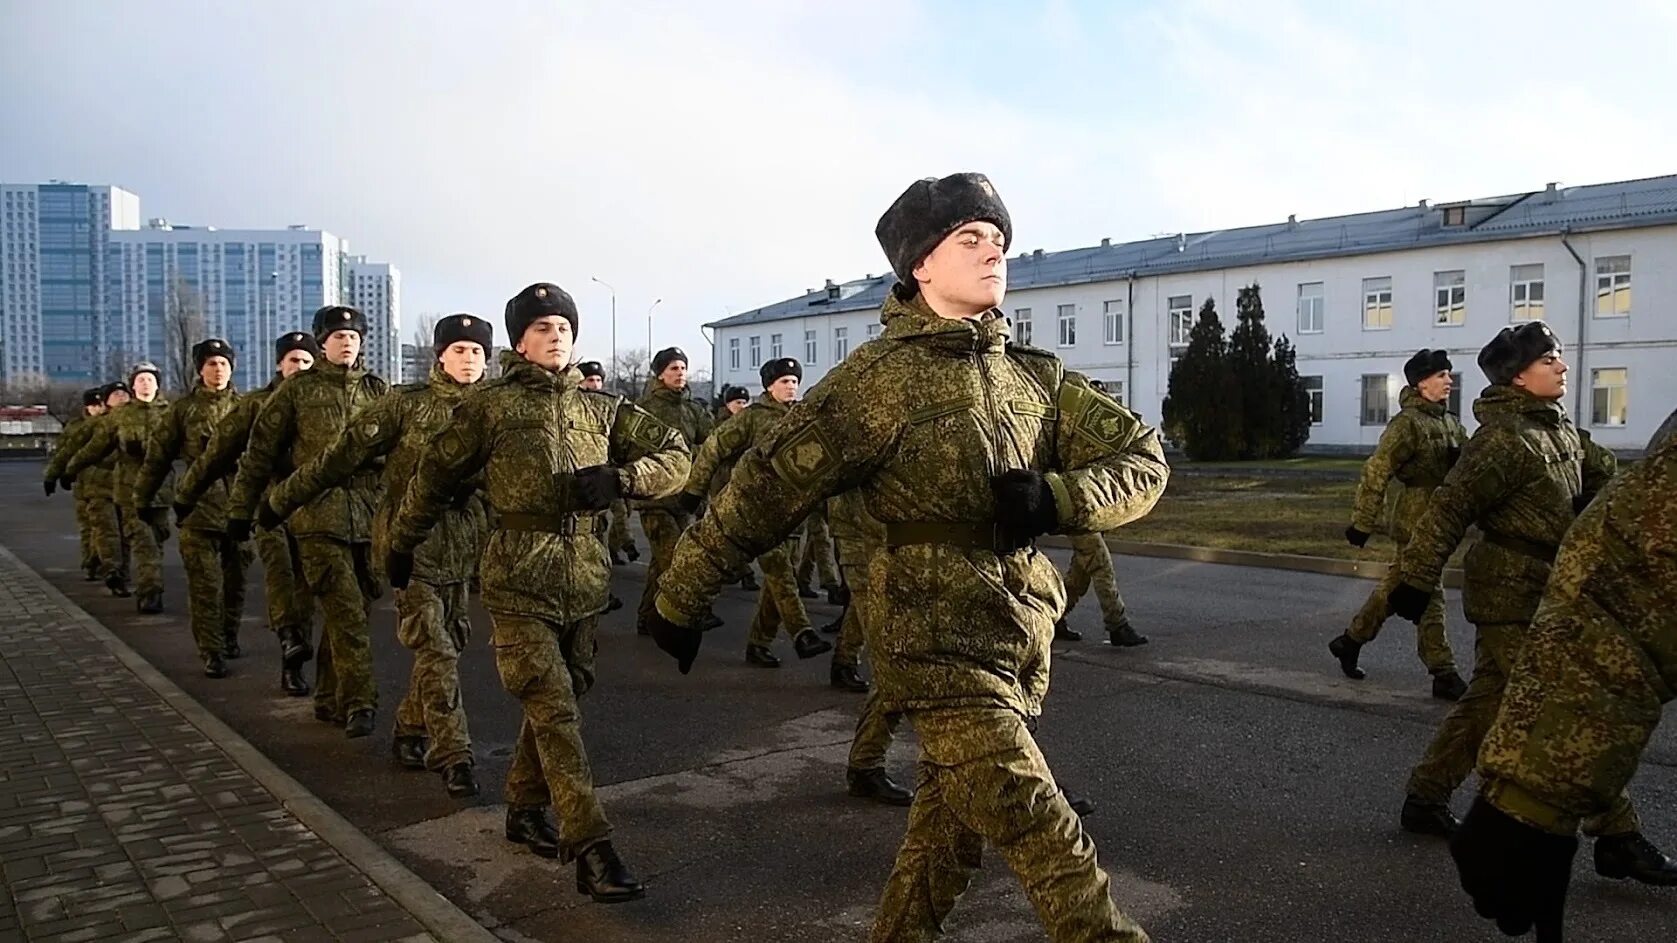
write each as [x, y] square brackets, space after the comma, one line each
[1065, 322]
[1609, 397]
[777, 347]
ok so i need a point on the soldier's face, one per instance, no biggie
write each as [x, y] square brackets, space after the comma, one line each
[1545, 377]
[295, 362]
[463, 361]
[216, 373]
[145, 386]
[547, 342]
[116, 399]
[734, 406]
[1436, 388]
[674, 375]
[342, 347]
[97, 409]
[593, 383]
[966, 274]
[784, 390]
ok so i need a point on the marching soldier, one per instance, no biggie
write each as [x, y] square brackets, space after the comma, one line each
[552, 458]
[815, 560]
[619, 542]
[966, 448]
[1091, 565]
[120, 438]
[668, 398]
[70, 440]
[96, 482]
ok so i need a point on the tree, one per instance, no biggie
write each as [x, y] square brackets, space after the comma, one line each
[416, 361]
[1293, 398]
[629, 371]
[183, 326]
[62, 399]
[1201, 411]
[1249, 360]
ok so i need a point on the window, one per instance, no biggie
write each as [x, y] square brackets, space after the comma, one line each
[1181, 319]
[1377, 305]
[1068, 325]
[1115, 389]
[1449, 293]
[775, 349]
[1609, 404]
[1526, 292]
[841, 343]
[1377, 399]
[1455, 216]
[1313, 389]
[1311, 301]
[1022, 326]
[1112, 316]
[1454, 405]
[874, 330]
[756, 351]
[809, 347]
[1612, 286]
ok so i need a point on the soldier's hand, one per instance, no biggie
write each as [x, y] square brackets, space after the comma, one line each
[1025, 506]
[181, 513]
[51, 484]
[66, 482]
[238, 529]
[678, 641]
[399, 567]
[266, 517]
[1355, 537]
[597, 487]
[690, 502]
[1516, 875]
[1407, 602]
[136, 449]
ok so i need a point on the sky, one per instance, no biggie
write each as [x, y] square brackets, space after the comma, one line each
[715, 157]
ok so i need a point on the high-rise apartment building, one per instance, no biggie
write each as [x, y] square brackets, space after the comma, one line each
[375, 289]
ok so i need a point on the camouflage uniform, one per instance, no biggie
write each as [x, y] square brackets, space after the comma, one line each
[1416, 450]
[857, 537]
[214, 563]
[778, 604]
[618, 537]
[70, 440]
[1091, 565]
[1517, 480]
[815, 556]
[301, 419]
[94, 483]
[545, 571]
[664, 520]
[120, 437]
[431, 616]
[959, 625]
[1666, 432]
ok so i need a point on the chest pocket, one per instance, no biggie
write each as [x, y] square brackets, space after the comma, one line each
[527, 443]
[587, 440]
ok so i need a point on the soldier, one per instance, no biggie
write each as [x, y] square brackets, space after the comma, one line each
[1521, 478]
[815, 559]
[431, 616]
[214, 563]
[778, 604]
[290, 605]
[95, 482]
[300, 420]
[1417, 449]
[70, 440]
[966, 448]
[619, 542]
[734, 400]
[543, 447]
[1582, 703]
[1091, 565]
[668, 398]
[121, 437]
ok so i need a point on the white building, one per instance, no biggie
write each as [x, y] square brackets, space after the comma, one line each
[1358, 295]
[375, 289]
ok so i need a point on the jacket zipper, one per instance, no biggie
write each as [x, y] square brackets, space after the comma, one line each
[993, 457]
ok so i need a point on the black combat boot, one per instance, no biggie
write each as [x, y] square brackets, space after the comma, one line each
[1633, 856]
[876, 785]
[230, 646]
[749, 582]
[759, 656]
[1065, 633]
[804, 592]
[838, 595]
[359, 724]
[460, 781]
[529, 827]
[616, 557]
[708, 621]
[409, 751]
[1345, 648]
[214, 667]
[293, 683]
[326, 715]
[847, 678]
[91, 573]
[149, 603]
[1082, 805]
[1124, 635]
[834, 627]
[295, 650]
[1448, 686]
[602, 875]
[632, 552]
[118, 585]
[1428, 818]
[613, 603]
[808, 644]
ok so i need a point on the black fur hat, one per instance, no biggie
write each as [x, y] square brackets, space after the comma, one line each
[783, 367]
[93, 396]
[1424, 364]
[112, 387]
[592, 368]
[1515, 348]
[931, 209]
[295, 340]
[732, 393]
[461, 327]
[535, 302]
[338, 318]
[214, 347]
[666, 357]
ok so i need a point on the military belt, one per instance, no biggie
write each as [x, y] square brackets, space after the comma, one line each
[985, 536]
[568, 525]
[1422, 482]
[1530, 548]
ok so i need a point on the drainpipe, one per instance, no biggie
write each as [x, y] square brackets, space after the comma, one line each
[1129, 345]
[1583, 296]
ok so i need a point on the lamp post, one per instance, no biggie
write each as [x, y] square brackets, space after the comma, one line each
[613, 328]
[649, 331]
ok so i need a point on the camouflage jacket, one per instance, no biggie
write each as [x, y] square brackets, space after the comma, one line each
[716, 457]
[181, 433]
[118, 441]
[527, 432]
[679, 412]
[1666, 432]
[396, 428]
[1517, 479]
[69, 442]
[855, 532]
[1585, 695]
[921, 420]
[725, 468]
[300, 420]
[219, 459]
[1416, 450]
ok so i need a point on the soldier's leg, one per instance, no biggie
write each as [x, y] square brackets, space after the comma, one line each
[235, 561]
[419, 615]
[617, 536]
[201, 557]
[821, 549]
[875, 729]
[144, 551]
[1432, 643]
[1366, 624]
[1619, 819]
[1455, 747]
[983, 779]
[1080, 574]
[780, 586]
[1105, 582]
[663, 529]
[332, 573]
[278, 586]
[848, 649]
[432, 623]
[107, 535]
[84, 531]
[765, 621]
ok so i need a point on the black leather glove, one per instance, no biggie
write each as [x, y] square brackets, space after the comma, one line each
[399, 567]
[690, 502]
[679, 642]
[238, 529]
[1355, 537]
[1025, 507]
[596, 487]
[51, 484]
[1452, 453]
[182, 511]
[1517, 875]
[1579, 503]
[66, 482]
[136, 449]
[1407, 602]
[266, 517]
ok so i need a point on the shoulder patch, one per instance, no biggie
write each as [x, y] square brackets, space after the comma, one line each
[804, 458]
[645, 429]
[1100, 420]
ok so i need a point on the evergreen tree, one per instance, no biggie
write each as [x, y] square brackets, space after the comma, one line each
[1292, 397]
[1202, 407]
[1249, 361]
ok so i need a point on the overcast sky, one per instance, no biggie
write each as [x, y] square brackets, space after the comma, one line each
[724, 155]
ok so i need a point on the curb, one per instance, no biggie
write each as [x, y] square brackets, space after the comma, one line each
[1298, 563]
[435, 912]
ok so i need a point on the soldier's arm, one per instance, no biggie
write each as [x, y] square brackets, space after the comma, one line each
[370, 435]
[162, 446]
[1600, 465]
[456, 454]
[220, 457]
[651, 457]
[270, 436]
[1493, 466]
[68, 444]
[101, 442]
[724, 445]
[1110, 466]
[1397, 446]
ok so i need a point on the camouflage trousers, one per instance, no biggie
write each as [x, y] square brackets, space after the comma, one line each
[618, 536]
[1432, 644]
[663, 529]
[290, 605]
[815, 556]
[1091, 565]
[1455, 747]
[875, 728]
[431, 620]
[778, 604]
[145, 549]
[548, 666]
[106, 520]
[84, 532]
[215, 587]
[340, 575]
[982, 779]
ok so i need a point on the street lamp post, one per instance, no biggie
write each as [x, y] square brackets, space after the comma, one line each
[613, 329]
[649, 330]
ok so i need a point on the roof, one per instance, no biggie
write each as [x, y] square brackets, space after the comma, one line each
[1621, 205]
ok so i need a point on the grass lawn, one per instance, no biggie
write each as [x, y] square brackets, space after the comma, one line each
[1349, 464]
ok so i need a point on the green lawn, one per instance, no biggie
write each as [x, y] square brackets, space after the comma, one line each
[1303, 463]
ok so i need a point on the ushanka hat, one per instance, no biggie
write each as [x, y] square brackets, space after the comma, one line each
[931, 209]
[783, 367]
[1515, 348]
[461, 327]
[1424, 364]
[535, 302]
[338, 318]
[214, 347]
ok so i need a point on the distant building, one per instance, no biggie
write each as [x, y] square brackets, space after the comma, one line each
[416, 363]
[375, 288]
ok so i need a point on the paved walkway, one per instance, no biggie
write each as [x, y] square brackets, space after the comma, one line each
[122, 820]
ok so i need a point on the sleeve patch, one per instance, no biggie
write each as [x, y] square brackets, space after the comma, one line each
[451, 446]
[1101, 421]
[805, 458]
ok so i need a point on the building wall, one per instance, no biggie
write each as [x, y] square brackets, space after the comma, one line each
[375, 288]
